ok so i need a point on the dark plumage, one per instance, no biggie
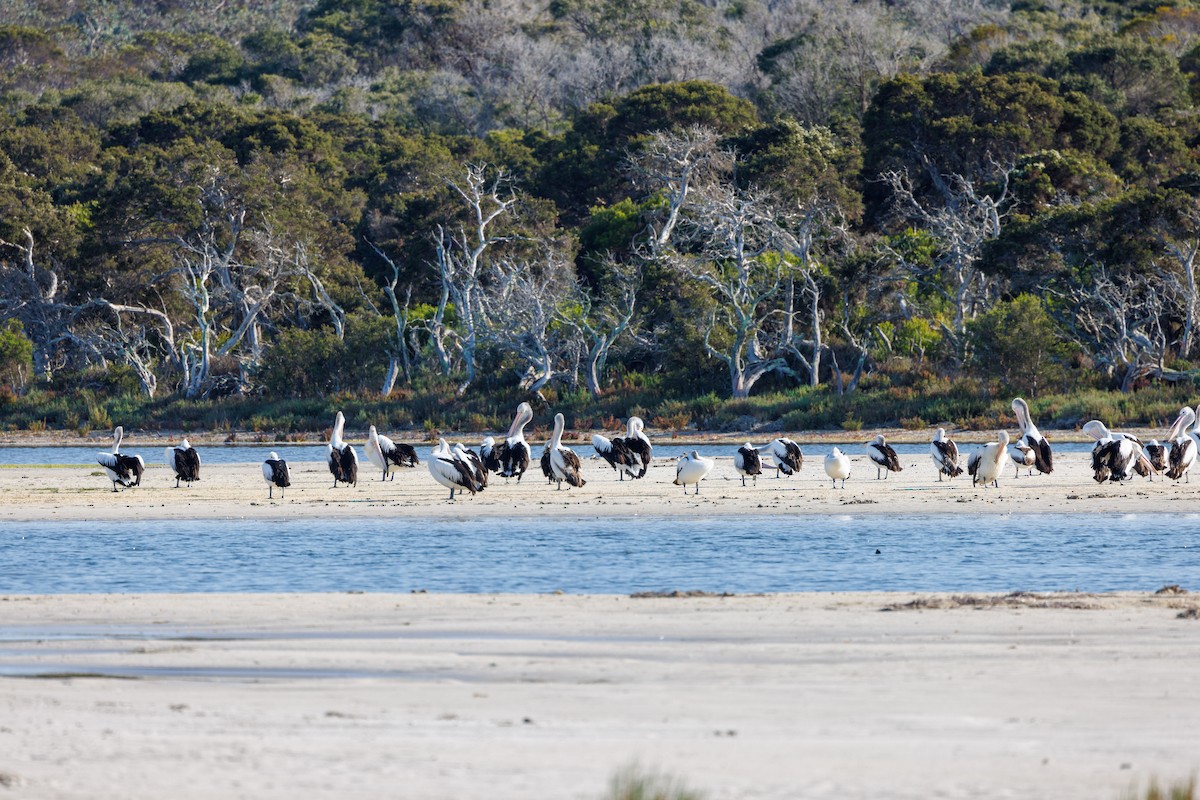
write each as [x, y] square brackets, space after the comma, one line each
[185, 461]
[1156, 455]
[747, 461]
[618, 454]
[343, 465]
[1180, 450]
[513, 458]
[884, 456]
[475, 463]
[275, 473]
[545, 462]
[129, 469]
[572, 468]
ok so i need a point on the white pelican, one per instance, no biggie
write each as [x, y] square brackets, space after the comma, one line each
[185, 461]
[513, 452]
[837, 467]
[449, 471]
[884, 457]
[563, 461]
[987, 461]
[692, 469]
[122, 469]
[1043, 458]
[383, 453]
[785, 456]
[343, 461]
[1022, 455]
[275, 473]
[1183, 445]
[1156, 457]
[1114, 455]
[944, 453]
[747, 462]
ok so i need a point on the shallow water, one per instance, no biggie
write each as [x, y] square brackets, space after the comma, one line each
[248, 454]
[587, 555]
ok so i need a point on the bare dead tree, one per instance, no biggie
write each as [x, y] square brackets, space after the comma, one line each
[604, 319]
[31, 295]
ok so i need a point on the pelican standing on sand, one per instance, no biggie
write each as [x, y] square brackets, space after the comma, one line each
[1022, 455]
[618, 456]
[986, 462]
[884, 457]
[383, 453]
[1043, 458]
[1184, 445]
[563, 461]
[513, 452]
[747, 462]
[837, 467]
[471, 459]
[487, 451]
[692, 468]
[449, 471]
[944, 453]
[1114, 455]
[185, 461]
[785, 456]
[340, 455]
[275, 473]
[1156, 457]
[122, 469]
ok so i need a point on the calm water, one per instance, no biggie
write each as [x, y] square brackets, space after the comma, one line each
[246, 454]
[588, 555]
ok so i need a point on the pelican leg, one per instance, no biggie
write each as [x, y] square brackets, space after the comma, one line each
[743, 481]
[270, 492]
[939, 476]
[114, 487]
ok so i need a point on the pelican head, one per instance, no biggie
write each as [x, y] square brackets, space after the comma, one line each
[372, 434]
[877, 440]
[185, 444]
[1097, 430]
[272, 456]
[940, 436]
[1003, 437]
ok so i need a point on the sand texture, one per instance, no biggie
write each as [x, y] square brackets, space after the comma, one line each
[496, 697]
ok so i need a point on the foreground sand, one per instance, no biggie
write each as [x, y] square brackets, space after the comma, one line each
[495, 697]
[238, 491]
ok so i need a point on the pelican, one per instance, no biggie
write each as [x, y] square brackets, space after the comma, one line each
[185, 461]
[747, 462]
[1043, 458]
[487, 451]
[383, 453]
[1183, 445]
[1022, 455]
[837, 467]
[472, 459]
[692, 469]
[1114, 455]
[122, 469]
[639, 445]
[1156, 457]
[945, 455]
[343, 461]
[617, 454]
[513, 452]
[884, 457]
[563, 461]
[275, 473]
[449, 471]
[544, 461]
[785, 456]
[987, 461]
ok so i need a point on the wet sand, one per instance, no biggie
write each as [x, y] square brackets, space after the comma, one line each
[496, 697]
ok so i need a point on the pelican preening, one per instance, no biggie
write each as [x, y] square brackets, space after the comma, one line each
[472, 460]
[275, 473]
[945, 455]
[629, 454]
[837, 467]
[513, 453]
[384, 453]
[449, 470]
[564, 464]
[692, 468]
[122, 469]
[1184, 445]
[343, 461]
[747, 462]
[785, 456]
[987, 461]
[487, 451]
[1156, 458]
[1043, 458]
[884, 457]
[1116, 456]
[1022, 455]
[185, 461]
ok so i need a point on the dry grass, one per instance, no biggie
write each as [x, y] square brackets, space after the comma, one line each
[1011, 600]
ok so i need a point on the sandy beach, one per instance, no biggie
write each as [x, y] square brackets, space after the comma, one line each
[238, 491]
[445, 696]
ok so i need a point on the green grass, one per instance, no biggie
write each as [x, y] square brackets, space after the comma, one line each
[1180, 790]
[636, 783]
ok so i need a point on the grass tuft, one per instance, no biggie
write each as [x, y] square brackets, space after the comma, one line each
[637, 783]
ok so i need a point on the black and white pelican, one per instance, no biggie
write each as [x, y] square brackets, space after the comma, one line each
[944, 453]
[1022, 456]
[384, 453]
[275, 473]
[618, 456]
[343, 461]
[513, 453]
[487, 452]
[1114, 454]
[185, 461]
[1043, 457]
[478, 470]
[692, 468]
[448, 470]
[748, 462]
[785, 456]
[1184, 445]
[563, 461]
[639, 444]
[122, 469]
[544, 461]
[837, 467]
[1156, 457]
[987, 461]
[880, 452]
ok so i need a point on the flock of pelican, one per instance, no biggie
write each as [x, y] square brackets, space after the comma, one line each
[1116, 457]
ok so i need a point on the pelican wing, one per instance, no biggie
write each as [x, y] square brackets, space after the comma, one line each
[348, 464]
[571, 468]
[545, 462]
[187, 464]
[1183, 453]
[948, 457]
[749, 461]
[885, 456]
[639, 449]
[278, 472]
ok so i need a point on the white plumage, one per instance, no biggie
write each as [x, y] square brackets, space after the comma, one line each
[987, 461]
[692, 468]
[837, 467]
